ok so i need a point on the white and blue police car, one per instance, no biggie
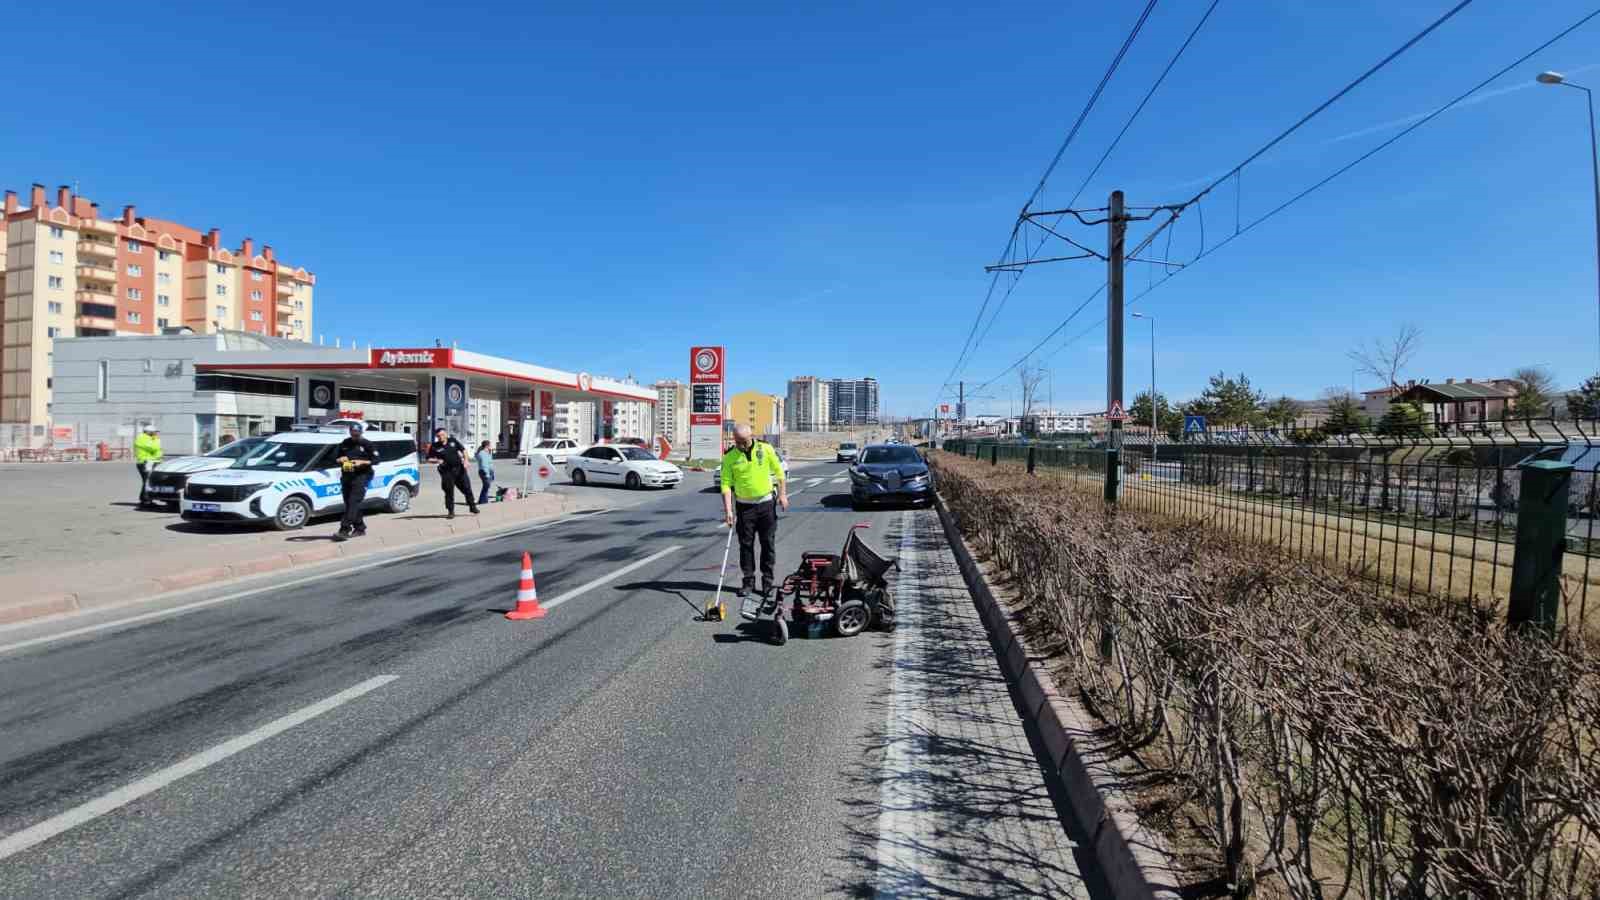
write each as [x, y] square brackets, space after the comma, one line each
[291, 478]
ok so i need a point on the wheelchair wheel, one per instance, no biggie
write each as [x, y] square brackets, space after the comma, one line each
[851, 618]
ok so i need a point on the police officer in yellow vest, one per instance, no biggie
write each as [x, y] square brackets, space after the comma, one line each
[752, 489]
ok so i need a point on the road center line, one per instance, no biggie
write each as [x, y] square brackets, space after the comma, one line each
[94, 809]
[604, 579]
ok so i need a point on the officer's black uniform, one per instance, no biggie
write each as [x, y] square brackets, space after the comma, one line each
[353, 482]
[452, 474]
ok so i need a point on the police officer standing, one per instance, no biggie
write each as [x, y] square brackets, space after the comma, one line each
[146, 453]
[753, 484]
[356, 456]
[452, 471]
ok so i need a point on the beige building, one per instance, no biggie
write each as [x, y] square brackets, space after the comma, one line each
[69, 272]
[807, 404]
[762, 412]
[672, 412]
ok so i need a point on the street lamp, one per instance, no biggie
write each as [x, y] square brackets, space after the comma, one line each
[1594, 160]
[1152, 321]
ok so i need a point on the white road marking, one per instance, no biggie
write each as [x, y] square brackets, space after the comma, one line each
[902, 820]
[94, 809]
[604, 579]
[240, 595]
[813, 482]
[840, 479]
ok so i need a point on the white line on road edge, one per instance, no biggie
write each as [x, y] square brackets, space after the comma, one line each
[94, 809]
[902, 820]
[240, 595]
[603, 579]
[813, 482]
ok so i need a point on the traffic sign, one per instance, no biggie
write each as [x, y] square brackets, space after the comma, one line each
[1194, 424]
[1116, 414]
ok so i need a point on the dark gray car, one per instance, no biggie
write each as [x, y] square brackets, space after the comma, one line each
[890, 473]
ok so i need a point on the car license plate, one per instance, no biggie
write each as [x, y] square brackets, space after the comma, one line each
[163, 489]
[206, 507]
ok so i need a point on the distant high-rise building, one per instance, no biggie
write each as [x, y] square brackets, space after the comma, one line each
[575, 422]
[672, 411]
[853, 401]
[807, 404]
[68, 272]
[762, 412]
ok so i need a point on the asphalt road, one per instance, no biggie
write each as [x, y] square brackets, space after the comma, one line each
[387, 733]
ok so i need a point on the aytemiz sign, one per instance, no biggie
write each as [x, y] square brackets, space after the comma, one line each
[707, 366]
[424, 358]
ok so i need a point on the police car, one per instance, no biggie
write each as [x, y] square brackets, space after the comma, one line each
[292, 478]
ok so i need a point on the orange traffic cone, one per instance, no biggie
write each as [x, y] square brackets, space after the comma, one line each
[527, 595]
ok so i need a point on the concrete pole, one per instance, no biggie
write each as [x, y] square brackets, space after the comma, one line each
[1117, 227]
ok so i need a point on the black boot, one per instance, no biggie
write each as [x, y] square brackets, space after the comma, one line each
[744, 589]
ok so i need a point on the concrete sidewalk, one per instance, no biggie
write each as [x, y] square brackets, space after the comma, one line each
[74, 539]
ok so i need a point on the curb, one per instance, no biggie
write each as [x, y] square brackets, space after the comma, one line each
[141, 589]
[1104, 813]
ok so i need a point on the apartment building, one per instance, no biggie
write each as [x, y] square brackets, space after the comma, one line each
[69, 272]
[762, 412]
[632, 419]
[575, 421]
[807, 404]
[852, 401]
[672, 411]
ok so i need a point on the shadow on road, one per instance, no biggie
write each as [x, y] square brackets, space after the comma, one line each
[680, 589]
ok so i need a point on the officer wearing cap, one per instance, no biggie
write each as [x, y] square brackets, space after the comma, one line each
[146, 453]
[752, 490]
[356, 457]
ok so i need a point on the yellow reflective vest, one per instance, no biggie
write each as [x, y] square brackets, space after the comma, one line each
[754, 476]
[146, 448]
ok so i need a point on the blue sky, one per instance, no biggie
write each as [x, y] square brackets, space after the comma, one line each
[599, 187]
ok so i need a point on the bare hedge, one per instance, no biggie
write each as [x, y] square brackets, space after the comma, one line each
[1329, 743]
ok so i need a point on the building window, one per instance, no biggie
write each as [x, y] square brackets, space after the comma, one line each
[134, 246]
[161, 323]
[134, 317]
[163, 278]
[255, 315]
[299, 304]
[254, 275]
[298, 325]
[55, 282]
[135, 294]
[255, 295]
[222, 313]
[135, 270]
[222, 290]
[163, 300]
[56, 231]
[248, 384]
[222, 269]
[56, 256]
[162, 255]
[52, 331]
[53, 306]
[102, 385]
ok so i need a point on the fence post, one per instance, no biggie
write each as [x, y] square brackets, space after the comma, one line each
[1541, 542]
[994, 454]
[1113, 474]
[1030, 459]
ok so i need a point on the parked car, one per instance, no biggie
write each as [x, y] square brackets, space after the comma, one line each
[558, 449]
[169, 476]
[890, 473]
[847, 452]
[291, 478]
[783, 462]
[632, 442]
[631, 466]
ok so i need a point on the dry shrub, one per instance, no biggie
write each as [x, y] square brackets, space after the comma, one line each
[1330, 743]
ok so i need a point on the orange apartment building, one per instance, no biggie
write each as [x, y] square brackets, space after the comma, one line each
[70, 272]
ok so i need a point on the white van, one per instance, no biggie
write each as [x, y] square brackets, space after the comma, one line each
[291, 478]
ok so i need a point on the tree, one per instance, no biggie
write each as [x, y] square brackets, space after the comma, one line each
[1030, 375]
[1168, 420]
[1282, 412]
[1585, 402]
[1534, 389]
[1405, 419]
[1385, 360]
[1227, 401]
[1345, 413]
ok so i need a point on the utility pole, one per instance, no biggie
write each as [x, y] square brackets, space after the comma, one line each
[1117, 226]
[961, 410]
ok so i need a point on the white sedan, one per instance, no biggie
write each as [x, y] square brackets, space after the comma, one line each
[634, 467]
[558, 449]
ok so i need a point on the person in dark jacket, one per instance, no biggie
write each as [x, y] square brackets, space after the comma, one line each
[356, 458]
[451, 457]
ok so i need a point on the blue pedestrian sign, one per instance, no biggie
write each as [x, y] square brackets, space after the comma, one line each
[1194, 424]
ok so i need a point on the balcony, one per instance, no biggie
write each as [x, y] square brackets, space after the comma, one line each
[96, 295]
[97, 323]
[284, 308]
[96, 272]
[97, 250]
[98, 226]
[285, 288]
